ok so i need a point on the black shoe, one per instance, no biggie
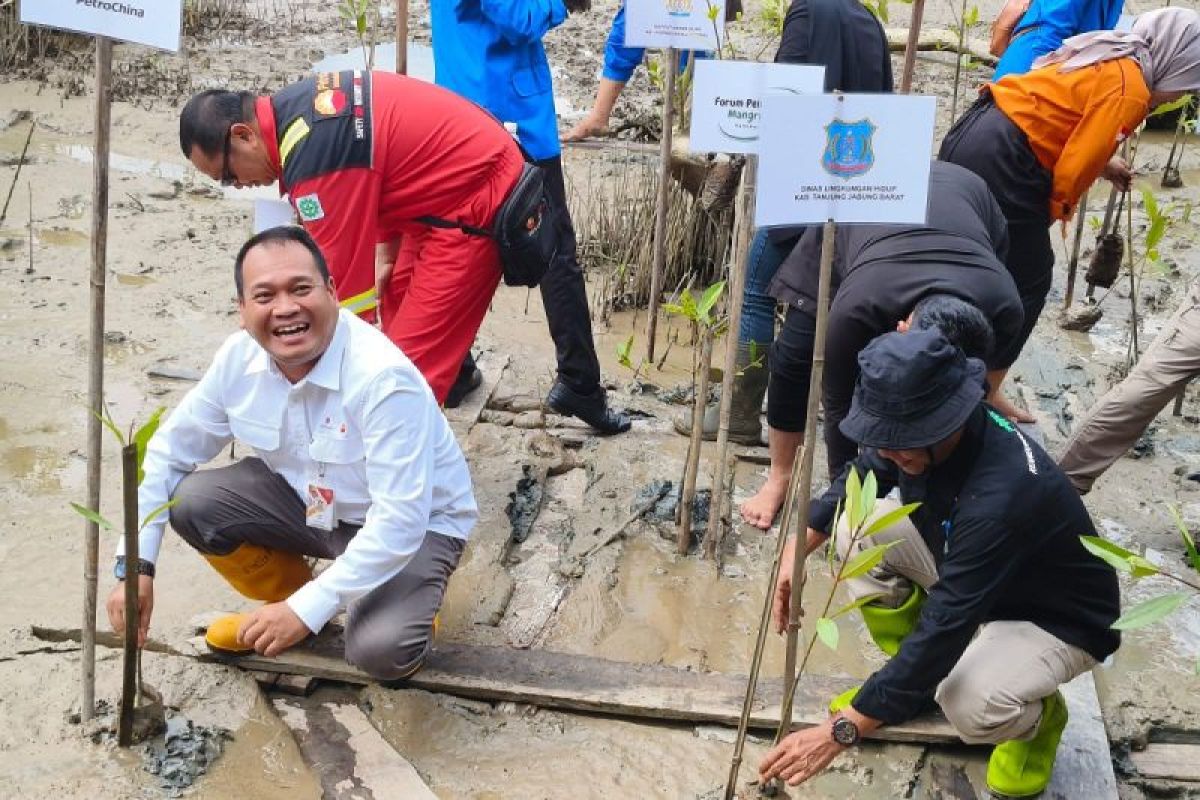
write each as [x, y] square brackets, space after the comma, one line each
[591, 408]
[469, 379]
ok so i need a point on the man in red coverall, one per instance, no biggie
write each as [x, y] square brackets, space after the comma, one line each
[362, 156]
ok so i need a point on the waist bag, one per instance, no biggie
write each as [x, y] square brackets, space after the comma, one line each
[524, 229]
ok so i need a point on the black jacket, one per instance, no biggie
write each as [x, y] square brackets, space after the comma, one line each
[1003, 524]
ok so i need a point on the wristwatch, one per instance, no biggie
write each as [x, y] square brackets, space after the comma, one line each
[844, 731]
[144, 567]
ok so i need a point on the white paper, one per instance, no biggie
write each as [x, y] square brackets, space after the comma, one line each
[153, 22]
[849, 158]
[683, 24]
[727, 100]
[270, 213]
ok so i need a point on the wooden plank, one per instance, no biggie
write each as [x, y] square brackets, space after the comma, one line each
[350, 758]
[583, 683]
[1175, 762]
[463, 418]
[1084, 764]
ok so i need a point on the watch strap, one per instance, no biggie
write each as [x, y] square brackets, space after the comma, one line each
[144, 567]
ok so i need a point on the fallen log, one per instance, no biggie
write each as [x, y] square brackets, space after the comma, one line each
[942, 40]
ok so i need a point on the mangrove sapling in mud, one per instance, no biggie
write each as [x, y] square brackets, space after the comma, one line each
[133, 454]
[964, 20]
[705, 328]
[363, 15]
[1147, 612]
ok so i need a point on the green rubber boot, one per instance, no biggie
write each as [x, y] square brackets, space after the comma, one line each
[1023, 768]
[888, 627]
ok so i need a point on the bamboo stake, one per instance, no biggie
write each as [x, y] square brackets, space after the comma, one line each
[764, 623]
[129, 664]
[1133, 284]
[17, 174]
[1073, 264]
[737, 283]
[910, 48]
[402, 37]
[99, 235]
[806, 474]
[688, 493]
[660, 208]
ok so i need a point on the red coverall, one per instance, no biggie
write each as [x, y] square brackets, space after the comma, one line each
[361, 157]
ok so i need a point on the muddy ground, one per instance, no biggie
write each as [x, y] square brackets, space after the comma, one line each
[170, 303]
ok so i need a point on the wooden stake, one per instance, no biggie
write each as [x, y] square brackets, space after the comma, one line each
[688, 493]
[402, 37]
[1073, 264]
[660, 209]
[806, 474]
[744, 232]
[129, 663]
[910, 48]
[91, 549]
[764, 624]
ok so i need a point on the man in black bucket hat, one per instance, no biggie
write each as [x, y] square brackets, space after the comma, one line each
[986, 600]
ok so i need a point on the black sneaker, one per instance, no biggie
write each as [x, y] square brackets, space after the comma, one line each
[592, 408]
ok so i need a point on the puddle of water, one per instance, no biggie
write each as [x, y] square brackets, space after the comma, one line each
[123, 163]
[35, 468]
[134, 280]
[63, 237]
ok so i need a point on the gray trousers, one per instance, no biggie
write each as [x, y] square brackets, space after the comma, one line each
[1116, 421]
[994, 693]
[388, 630]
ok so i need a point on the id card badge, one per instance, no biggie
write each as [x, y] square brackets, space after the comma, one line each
[319, 511]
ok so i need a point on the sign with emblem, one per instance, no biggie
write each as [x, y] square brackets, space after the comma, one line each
[156, 23]
[727, 100]
[848, 158]
[683, 24]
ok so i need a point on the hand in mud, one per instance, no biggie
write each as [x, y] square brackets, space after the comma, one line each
[591, 125]
[115, 605]
[272, 629]
[1006, 407]
[800, 756]
[1118, 171]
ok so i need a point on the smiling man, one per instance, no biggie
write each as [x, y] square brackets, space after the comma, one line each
[986, 599]
[353, 461]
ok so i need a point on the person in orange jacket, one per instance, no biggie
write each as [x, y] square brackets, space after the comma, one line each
[362, 156]
[1040, 139]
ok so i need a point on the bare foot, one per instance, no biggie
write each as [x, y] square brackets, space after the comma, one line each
[587, 127]
[1006, 407]
[760, 510]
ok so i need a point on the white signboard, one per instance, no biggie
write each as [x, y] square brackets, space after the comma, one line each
[727, 100]
[152, 22]
[849, 158]
[683, 24]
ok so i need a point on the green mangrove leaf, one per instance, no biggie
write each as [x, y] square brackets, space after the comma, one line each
[827, 632]
[1115, 555]
[153, 515]
[870, 494]
[1150, 611]
[866, 561]
[891, 518]
[853, 500]
[92, 516]
[859, 603]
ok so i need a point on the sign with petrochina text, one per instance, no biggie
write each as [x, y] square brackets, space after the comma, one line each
[727, 100]
[682, 24]
[152, 22]
[848, 158]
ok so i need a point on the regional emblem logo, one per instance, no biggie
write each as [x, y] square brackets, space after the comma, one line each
[848, 151]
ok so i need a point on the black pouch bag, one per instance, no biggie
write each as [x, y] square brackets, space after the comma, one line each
[525, 229]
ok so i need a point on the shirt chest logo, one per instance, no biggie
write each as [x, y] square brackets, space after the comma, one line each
[309, 208]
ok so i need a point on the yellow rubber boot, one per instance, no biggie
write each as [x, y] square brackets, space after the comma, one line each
[1023, 768]
[260, 573]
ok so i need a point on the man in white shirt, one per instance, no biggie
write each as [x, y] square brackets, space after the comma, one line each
[354, 462]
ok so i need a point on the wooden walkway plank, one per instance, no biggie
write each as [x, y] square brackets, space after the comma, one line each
[463, 418]
[1176, 762]
[1084, 766]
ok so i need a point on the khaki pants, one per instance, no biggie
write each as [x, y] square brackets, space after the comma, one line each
[387, 629]
[1116, 421]
[994, 693]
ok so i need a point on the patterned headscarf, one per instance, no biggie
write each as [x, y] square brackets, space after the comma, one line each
[1165, 43]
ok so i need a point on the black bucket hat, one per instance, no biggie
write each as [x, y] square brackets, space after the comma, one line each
[914, 390]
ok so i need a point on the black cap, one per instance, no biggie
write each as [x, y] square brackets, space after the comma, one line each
[914, 390]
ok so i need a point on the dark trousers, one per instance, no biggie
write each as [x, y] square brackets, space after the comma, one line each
[564, 296]
[989, 144]
[791, 368]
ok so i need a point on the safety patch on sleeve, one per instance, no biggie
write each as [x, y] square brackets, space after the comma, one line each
[309, 208]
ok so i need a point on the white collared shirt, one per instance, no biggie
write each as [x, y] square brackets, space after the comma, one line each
[363, 416]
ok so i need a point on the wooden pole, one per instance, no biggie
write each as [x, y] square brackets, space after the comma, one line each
[910, 48]
[1073, 264]
[91, 549]
[660, 208]
[764, 623]
[402, 37]
[736, 287]
[687, 493]
[806, 475]
[129, 663]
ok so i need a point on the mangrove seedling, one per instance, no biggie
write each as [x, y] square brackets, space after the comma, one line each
[358, 14]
